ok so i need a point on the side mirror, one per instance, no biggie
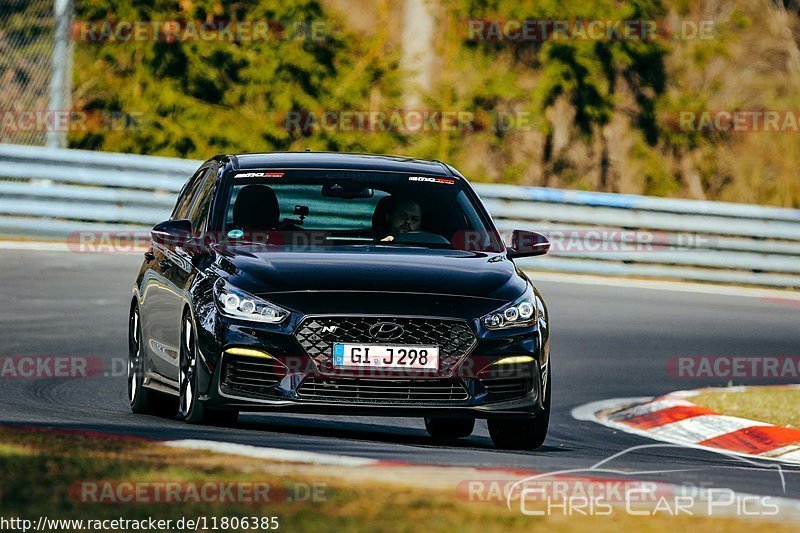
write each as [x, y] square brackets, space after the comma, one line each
[172, 232]
[527, 244]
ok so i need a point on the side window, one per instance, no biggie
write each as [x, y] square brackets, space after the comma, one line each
[198, 213]
[181, 210]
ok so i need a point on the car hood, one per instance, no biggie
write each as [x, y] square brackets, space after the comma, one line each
[381, 269]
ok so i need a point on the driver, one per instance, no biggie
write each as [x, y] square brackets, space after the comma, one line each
[404, 216]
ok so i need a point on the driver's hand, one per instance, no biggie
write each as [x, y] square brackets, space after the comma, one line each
[388, 238]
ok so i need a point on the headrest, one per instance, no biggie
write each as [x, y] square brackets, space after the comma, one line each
[256, 208]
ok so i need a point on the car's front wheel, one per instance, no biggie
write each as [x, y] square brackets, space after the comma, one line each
[449, 428]
[524, 433]
[191, 409]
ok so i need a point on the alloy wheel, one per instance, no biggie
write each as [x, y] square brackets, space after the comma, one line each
[188, 369]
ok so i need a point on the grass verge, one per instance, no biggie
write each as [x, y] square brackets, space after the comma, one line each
[41, 474]
[775, 405]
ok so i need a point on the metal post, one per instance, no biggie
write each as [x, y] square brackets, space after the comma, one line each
[418, 55]
[61, 77]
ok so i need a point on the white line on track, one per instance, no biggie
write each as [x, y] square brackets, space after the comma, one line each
[273, 454]
[56, 246]
[660, 285]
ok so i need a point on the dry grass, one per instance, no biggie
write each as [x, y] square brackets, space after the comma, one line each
[774, 405]
[38, 468]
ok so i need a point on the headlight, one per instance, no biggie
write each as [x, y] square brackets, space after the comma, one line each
[236, 303]
[520, 313]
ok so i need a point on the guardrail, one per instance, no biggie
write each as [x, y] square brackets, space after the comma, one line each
[55, 192]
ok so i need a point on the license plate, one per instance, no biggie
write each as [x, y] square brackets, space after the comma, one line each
[383, 356]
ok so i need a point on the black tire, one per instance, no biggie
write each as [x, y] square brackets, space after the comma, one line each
[141, 399]
[190, 408]
[449, 428]
[522, 433]
[221, 418]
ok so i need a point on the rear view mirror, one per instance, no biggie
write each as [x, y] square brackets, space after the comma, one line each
[527, 244]
[346, 190]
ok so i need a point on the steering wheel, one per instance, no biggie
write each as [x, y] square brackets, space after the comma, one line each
[289, 224]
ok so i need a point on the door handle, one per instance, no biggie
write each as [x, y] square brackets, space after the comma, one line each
[165, 264]
[149, 255]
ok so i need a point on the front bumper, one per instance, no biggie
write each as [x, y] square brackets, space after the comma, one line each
[292, 380]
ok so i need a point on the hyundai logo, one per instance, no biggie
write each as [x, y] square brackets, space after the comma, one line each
[386, 331]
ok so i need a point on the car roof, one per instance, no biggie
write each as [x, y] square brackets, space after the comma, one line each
[337, 160]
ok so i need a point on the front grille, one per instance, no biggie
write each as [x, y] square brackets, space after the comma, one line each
[383, 391]
[507, 383]
[454, 338]
[251, 375]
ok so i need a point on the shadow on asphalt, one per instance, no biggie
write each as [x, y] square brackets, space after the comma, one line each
[372, 433]
[255, 430]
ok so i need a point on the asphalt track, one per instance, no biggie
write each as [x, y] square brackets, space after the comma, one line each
[608, 342]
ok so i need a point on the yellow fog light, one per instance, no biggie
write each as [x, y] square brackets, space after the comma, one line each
[516, 359]
[248, 352]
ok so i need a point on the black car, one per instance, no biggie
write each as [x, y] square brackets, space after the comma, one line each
[340, 284]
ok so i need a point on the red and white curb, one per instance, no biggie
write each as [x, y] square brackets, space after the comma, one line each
[600, 484]
[673, 418]
[496, 484]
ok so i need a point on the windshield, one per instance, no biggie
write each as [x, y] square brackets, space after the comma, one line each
[334, 207]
